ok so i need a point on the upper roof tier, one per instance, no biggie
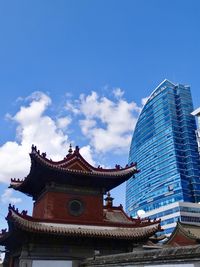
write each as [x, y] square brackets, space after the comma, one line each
[72, 170]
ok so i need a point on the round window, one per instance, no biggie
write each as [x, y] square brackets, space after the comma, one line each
[76, 207]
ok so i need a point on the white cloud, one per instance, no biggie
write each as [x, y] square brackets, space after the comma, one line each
[7, 197]
[87, 154]
[29, 115]
[86, 125]
[70, 107]
[14, 161]
[107, 124]
[33, 127]
[63, 122]
[118, 93]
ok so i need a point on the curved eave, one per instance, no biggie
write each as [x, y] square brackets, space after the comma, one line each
[108, 232]
[42, 173]
[59, 166]
[3, 238]
[189, 232]
[180, 229]
[34, 184]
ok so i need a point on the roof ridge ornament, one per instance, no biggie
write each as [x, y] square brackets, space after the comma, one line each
[17, 180]
[33, 148]
[3, 231]
[76, 151]
[11, 208]
[70, 149]
[109, 200]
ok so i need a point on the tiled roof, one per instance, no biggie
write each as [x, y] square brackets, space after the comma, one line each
[191, 231]
[116, 216]
[71, 170]
[29, 224]
[75, 163]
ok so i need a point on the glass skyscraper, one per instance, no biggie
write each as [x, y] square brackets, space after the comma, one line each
[165, 149]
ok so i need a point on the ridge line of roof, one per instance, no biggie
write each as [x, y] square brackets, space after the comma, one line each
[95, 171]
[133, 223]
[185, 232]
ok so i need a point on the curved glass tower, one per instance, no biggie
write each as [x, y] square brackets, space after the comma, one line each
[165, 149]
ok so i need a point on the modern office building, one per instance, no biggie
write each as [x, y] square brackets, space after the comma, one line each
[165, 149]
[196, 113]
[186, 212]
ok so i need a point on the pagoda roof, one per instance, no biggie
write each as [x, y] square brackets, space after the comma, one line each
[72, 170]
[190, 232]
[135, 231]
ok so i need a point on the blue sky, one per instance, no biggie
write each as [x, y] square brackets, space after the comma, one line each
[80, 70]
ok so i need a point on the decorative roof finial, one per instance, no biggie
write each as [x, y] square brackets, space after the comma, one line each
[33, 148]
[109, 200]
[76, 151]
[70, 149]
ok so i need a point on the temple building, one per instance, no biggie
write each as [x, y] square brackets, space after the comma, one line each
[70, 221]
[184, 234]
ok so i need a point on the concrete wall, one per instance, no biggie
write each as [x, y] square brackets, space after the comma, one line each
[163, 257]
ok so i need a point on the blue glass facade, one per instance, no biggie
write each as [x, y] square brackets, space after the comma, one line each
[165, 149]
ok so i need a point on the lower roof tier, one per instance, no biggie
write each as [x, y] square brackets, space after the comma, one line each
[29, 224]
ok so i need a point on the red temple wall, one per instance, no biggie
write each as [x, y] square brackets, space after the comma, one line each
[54, 206]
